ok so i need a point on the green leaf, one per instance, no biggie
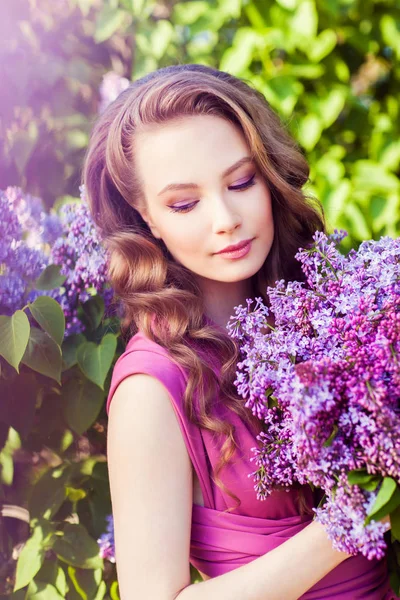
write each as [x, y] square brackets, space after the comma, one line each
[43, 355]
[86, 581]
[239, 56]
[51, 572]
[75, 494]
[370, 485]
[94, 311]
[6, 468]
[363, 479]
[14, 337]
[395, 523]
[49, 492]
[108, 20]
[41, 590]
[161, 38]
[189, 12]
[282, 93]
[332, 436]
[330, 107]
[372, 176]
[335, 199]
[230, 8]
[305, 71]
[69, 348]
[76, 139]
[322, 501]
[272, 402]
[32, 554]
[391, 32]
[310, 131]
[387, 500]
[114, 591]
[95, 361]
[390, 156]
[13, 441]
[322, 45]
[288, 4]
[101, 592]
[50, 316]
[75, 588]
[82, 402]
[377, 206]
[50, 278]
[134, 7]
[65, 441]
[12, 444]
[77, 548]
[304, 23]
[61, 581]
[357, 222]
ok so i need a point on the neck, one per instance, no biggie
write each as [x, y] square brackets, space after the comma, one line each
[220, 298]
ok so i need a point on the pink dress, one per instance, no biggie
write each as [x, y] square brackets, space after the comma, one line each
[221, 542]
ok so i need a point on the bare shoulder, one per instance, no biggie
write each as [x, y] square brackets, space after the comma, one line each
[151, 490]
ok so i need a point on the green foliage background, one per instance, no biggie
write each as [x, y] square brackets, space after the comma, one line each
[330, 68]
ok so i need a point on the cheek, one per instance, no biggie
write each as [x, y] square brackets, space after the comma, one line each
[182, 238]
[263, 209]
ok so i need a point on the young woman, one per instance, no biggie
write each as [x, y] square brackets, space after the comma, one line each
[197, 189]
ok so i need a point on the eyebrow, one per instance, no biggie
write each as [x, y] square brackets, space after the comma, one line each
[228, 171]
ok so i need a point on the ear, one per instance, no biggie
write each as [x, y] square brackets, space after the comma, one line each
[146, 218]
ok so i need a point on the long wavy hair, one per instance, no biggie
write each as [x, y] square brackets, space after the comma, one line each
[159, 296]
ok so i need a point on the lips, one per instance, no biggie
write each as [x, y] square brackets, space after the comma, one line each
[235, 247]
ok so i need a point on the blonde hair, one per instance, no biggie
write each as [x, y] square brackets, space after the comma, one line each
[159, 296]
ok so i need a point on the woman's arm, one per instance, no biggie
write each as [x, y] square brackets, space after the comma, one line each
[151, 491]
[285, 572]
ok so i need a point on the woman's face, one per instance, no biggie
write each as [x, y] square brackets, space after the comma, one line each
[203, 193]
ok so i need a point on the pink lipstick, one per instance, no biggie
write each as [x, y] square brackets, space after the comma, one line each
[237, 250]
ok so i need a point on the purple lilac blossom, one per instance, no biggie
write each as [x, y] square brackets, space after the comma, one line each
[39, 226]
[31, 239]
[82, 259]
[106, 541]
[20, 261]
[325, 379]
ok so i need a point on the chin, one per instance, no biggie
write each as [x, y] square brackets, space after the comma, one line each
[238, 274]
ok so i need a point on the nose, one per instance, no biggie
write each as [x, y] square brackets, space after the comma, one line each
[225, 217]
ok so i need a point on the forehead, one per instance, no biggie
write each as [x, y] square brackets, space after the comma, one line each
[192, 148]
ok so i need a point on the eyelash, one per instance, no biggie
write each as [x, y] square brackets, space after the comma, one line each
[243, 186]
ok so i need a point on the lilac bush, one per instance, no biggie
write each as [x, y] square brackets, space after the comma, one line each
[31, 239]
[325, 379]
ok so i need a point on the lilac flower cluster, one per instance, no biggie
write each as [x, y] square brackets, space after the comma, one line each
[83, 260]
[39, 226]
[320, 366]
[31, 239]
[106, 541]
[22, 257]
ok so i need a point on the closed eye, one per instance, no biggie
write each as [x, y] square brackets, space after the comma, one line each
[183, 208]
[242, 186]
